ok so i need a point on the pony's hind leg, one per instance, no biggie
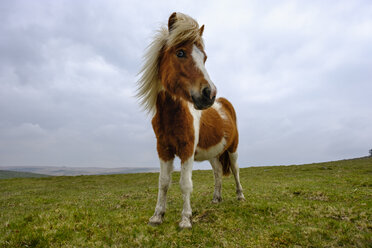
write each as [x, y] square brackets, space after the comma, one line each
[235, 170]
[217, 172]
[165, 174]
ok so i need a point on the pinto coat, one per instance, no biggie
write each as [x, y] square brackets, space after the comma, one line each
[188, 121]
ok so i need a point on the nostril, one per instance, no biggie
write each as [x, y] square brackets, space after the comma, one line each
[206, 92]
[213, 94]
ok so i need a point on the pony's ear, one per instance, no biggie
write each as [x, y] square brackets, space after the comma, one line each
[201, 30]
[172, 20]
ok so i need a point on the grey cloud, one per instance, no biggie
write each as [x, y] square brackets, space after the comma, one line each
[298, 74]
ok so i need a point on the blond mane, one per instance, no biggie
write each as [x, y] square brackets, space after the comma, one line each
[184, 29]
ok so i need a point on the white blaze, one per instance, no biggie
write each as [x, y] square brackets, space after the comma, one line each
[198, 57]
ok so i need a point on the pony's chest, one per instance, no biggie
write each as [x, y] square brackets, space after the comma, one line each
[173, 121]
[175, 134]
[172, 125]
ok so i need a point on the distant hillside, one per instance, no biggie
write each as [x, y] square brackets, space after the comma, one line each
[77, 171]
[5, 174]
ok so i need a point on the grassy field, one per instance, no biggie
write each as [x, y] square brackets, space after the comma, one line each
[316, 205]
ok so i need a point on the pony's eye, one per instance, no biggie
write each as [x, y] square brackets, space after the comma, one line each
[181, 53]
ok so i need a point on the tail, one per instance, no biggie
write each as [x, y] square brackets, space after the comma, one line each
[226, 164]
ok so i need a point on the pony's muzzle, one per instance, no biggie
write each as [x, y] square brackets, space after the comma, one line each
[205, 99]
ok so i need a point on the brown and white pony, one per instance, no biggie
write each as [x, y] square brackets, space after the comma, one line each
[188, 120]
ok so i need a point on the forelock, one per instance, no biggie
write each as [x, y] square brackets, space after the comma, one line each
[185, 29]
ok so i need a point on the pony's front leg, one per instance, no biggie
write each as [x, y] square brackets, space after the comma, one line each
[186, 188]
[165, 177]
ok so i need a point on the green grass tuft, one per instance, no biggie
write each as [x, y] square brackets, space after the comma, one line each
[316, 205]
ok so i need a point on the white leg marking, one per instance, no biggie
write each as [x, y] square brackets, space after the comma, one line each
[186, 172]
[217, 171]
[235, 171]
[198, 57]
[165, 177]
[186, 188]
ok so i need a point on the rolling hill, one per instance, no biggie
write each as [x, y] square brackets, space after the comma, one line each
[77, 171]
[5, 174]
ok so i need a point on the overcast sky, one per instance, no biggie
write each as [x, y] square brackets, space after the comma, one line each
[299, 74]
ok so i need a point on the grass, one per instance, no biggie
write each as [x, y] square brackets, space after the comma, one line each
[316, 205]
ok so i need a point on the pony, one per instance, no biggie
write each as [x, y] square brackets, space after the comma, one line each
[188, 120]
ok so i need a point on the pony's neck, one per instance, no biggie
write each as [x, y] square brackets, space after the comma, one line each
[170, 105]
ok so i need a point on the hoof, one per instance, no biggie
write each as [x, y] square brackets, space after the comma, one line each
[217, 200]
[185, 223]
[241, 197]
[156, 220]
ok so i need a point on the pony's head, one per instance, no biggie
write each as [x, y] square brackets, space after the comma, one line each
[181, 66]
[175, 63]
